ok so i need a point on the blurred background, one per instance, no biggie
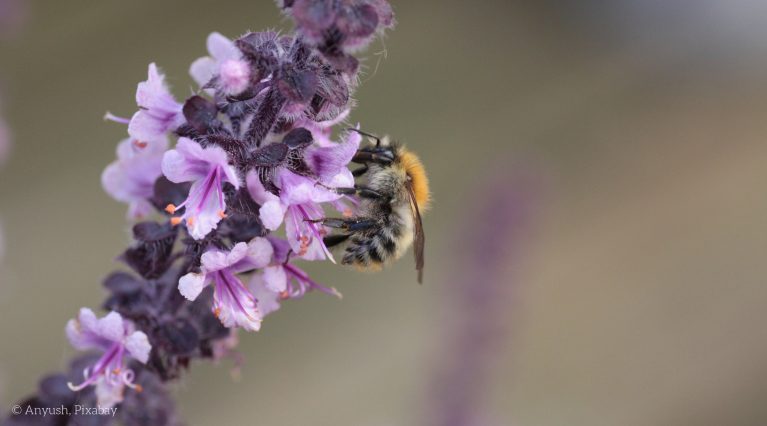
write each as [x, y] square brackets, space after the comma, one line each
[596, 249]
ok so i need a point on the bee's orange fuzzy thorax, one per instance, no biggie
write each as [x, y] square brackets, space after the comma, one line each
[414, 169]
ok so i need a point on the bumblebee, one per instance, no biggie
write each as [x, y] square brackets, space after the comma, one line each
[393, 191]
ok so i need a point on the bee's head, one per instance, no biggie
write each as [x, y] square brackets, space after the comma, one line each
[416, 176]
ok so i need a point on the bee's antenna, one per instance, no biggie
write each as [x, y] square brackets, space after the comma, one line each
[377, 139]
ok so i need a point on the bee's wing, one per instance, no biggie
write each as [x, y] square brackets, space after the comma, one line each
[420, 238]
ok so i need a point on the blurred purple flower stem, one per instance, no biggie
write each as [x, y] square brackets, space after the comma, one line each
[12, 16]
[480, 298]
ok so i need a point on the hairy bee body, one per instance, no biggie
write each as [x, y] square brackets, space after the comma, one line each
[393, 189]
[392, 233]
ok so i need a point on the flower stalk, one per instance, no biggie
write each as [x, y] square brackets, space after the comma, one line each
[211, 180]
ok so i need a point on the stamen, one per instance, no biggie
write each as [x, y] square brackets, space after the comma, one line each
[190, 221]
[336, 293]
[284, 295]
[127, 379]
[139, 144]
[170, 208]
[175, 221]
[111, 117]
[221, 214]
[81, 386]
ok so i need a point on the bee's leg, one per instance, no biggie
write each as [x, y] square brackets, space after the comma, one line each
[364, 157]
[360, 171]
[349, 225]
[334, 240]
[266, 177]
[360, 191]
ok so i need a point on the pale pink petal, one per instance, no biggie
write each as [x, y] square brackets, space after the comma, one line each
[139, 209]
[272, 214]
[221, 48]
[297, 189]
[238, 252]
[138, 346]
[88, 320]
[190, 285]
[111, 327]
[185, 164]
[147, 90]
[158, 112]
[260, 252]
[130, 179]
[202, 70]
[114, 182]
[82, 333]
[275, 278]
[343, 179]
[109, 393]
[214, 260]
[268, 301]
[125, 149]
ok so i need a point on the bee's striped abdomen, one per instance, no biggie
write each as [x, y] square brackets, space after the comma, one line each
[371, 251]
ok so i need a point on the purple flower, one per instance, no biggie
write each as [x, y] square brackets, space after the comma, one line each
[299, 201]
[158, 113]
[117, 339]
[207, 169]
[264, 114]
[225, 64]
[329, 160]
[131, 177]
[233, 303]
[281, 280]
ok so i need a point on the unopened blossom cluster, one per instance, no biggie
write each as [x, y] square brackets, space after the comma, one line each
[224, 189]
